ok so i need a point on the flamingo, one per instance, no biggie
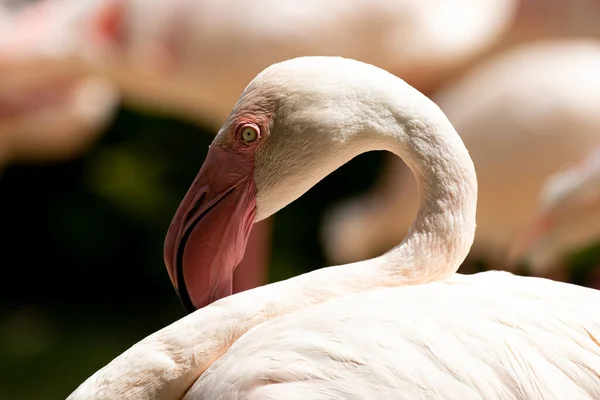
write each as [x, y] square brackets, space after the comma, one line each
[191, 58]
[46, 115]
[545, 19]
[48, 112]
[567, 218]
[403, 324]
[524, 114]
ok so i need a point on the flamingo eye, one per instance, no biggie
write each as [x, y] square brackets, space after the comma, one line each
[249, 133]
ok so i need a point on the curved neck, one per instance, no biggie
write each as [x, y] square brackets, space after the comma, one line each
[393, 116]
[444, 228]
[413, 128]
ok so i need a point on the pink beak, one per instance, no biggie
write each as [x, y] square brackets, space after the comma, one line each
[208, 235]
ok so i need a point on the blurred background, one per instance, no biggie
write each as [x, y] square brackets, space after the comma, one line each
[107, 109]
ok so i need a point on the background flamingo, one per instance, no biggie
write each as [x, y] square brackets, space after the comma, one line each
[48, 112]
[188, 58]
[567, 217]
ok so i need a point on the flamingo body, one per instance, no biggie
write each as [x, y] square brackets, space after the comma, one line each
[491, 335]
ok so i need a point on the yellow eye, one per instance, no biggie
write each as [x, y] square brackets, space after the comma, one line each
[249, 133]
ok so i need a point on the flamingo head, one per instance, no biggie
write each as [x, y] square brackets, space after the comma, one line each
[296, 122]
[208, 235]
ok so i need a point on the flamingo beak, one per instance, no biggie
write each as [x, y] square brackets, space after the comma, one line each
[208, 235]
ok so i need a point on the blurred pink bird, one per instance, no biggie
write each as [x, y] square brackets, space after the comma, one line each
[48, 110]
[568, 218]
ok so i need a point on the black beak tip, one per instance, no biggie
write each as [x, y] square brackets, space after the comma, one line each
[186, 302]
